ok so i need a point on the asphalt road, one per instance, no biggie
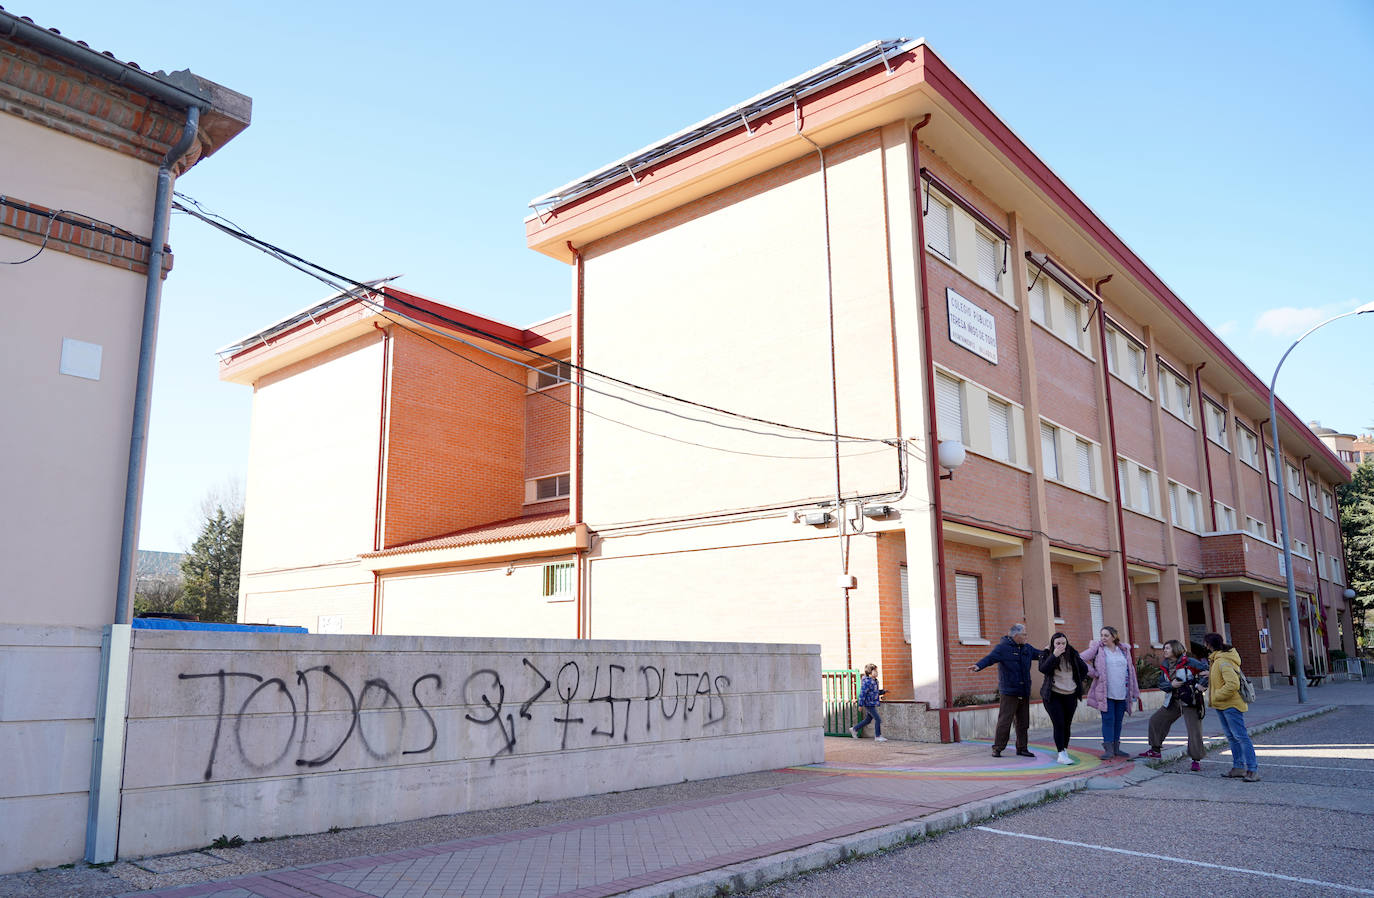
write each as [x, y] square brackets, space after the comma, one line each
[1306, 830]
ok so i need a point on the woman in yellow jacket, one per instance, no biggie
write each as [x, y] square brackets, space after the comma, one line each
[1224, 696]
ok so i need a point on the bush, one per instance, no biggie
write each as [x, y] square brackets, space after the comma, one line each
[965, 699]
[1338, 655]
[1147, 670]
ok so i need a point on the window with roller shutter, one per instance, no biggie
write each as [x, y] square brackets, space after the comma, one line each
[1085, 466]
[999, 427]
[1049, 449]
[969, 606]
[1095, 611]
[989, 261]
[937, 226]
[949, 408]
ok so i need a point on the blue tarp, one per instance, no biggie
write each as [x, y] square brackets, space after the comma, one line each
[163, 623]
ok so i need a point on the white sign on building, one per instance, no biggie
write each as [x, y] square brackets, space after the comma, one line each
[971, 327]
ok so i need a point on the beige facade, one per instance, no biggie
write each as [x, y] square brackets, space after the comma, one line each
[82, 140]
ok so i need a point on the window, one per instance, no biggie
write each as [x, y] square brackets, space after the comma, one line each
[989, 261]
[1123, 484]
[1095, 610]
[1294, 481]
[1321, 563]
[1328, 504]
[1336, 575]
[906, 603]
[1126, 359]
[1214, 417]
[1249, 446]
[1257, 527]
[1039, 293]
[1226, 517]
[1312, 493]
[1175, 394]
[550, 375]
[1273, 466]
[968, 602]
[558, 580]
[1152, 615]
[1185, 507]
[1147, 492]
[949, 408]
[999, 427]
[556, 486]
[1072, 327]
[1049, 448]
[1300, 548]
[1054, 592]
[937, 225]
[1086, 481]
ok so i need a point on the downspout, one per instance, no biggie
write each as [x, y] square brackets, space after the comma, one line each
[1206, 453]
[580, 598]
[381, 477]
[1116, 469]
[949, 731]
[1312, 535]
[1268, 493]
[152, 299]
[112, 696]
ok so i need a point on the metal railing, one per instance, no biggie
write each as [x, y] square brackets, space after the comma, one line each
[840, 692]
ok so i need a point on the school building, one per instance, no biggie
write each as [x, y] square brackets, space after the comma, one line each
[849, 365]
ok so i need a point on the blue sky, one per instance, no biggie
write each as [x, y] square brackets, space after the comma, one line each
[1228, 144]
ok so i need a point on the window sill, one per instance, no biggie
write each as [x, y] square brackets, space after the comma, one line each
[559, 599]
[963, 641]
[1254, 466]
[1177, 416]
[1144, 514]
[1126, 383]
[1222, 446]
[1077, 489]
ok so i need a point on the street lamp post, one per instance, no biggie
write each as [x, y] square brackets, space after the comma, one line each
[1295, 634]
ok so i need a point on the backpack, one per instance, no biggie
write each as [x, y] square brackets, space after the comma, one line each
[1246, 689]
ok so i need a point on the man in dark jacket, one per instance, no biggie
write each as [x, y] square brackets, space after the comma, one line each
[1013, 658]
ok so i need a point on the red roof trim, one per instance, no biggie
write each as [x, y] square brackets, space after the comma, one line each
[940, 77]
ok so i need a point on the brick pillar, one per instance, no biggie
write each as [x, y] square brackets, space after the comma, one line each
[1246, 616]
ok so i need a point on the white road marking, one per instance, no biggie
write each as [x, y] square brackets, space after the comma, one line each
[1179, 860]
[1304, 766]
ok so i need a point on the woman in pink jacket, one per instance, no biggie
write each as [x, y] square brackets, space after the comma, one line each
[1114, 690]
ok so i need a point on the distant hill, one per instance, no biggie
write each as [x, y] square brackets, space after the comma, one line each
[158, 565]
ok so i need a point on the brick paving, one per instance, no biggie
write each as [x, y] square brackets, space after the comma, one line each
[861, 786]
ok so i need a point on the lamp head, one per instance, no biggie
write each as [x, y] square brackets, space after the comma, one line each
[950, 454]
[1367, 307]
[1348, 594]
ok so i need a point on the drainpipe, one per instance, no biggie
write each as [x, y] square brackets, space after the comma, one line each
[152, 299]
[107, 749]
[1116, 470]
[1268, 493]
[1312, 535]
[1206, 453]
[381, 477]
[580, 598]
[949, 729]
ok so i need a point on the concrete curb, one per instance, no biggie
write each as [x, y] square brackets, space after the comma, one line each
[753, 874]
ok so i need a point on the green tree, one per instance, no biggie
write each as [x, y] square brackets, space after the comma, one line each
[210, 571]
[1356, 500]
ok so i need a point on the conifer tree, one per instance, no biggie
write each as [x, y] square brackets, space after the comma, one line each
[1357, 533]
[210, 570]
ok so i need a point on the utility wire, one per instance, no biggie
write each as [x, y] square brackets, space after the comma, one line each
[414, 325]
[283, 254]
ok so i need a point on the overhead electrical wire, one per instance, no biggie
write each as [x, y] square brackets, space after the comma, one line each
[232, 229]
[362, 290]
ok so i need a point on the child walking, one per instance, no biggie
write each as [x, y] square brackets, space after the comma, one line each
[868, 701]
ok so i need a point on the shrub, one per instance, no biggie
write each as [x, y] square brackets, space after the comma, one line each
[1147, 670]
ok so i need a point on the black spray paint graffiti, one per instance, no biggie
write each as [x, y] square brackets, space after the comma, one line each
[483, 689]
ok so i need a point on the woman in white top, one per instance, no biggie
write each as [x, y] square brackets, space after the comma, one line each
[1114, 691]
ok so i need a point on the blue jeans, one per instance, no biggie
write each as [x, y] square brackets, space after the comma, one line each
[870, 716]
[1111, 720]
[1242, 749]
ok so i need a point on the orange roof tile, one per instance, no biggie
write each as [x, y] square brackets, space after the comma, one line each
[495, 532]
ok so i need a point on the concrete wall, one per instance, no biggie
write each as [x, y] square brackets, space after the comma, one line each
[267, 735]
[48, 678]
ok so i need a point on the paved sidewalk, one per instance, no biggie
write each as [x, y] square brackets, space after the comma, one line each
[686, 840]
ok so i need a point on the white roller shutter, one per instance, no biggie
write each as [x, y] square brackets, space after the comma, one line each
[1085, 467]
[949, 408]
[999, 425]
[1152, 615]
[1037, 299]
[1095, 609]
[906, 604]
[1049, 448]
[966, 600]
[937, 227]
[989, 261]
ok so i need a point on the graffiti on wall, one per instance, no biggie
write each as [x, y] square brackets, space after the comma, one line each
[595, 709]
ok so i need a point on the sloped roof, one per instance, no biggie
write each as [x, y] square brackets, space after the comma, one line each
[495, 532]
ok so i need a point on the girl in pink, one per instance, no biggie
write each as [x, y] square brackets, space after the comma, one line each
[1114, 688]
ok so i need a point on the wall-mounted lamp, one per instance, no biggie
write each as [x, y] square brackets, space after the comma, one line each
[816, 518]
[950, 455]
[1348, 594]
[510, 569]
